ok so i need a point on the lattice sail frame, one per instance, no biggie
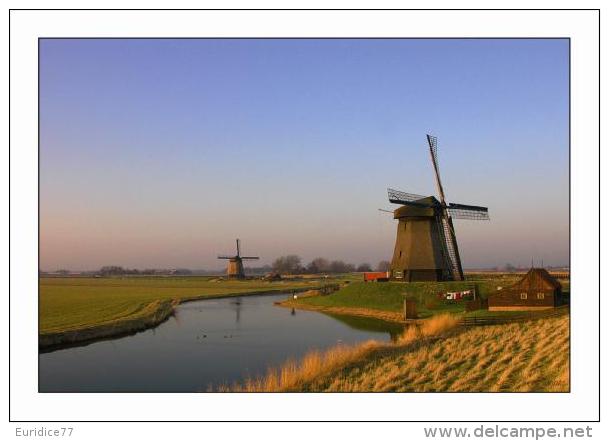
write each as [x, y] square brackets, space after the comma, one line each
[399, 197]
[456, 211]
[433, 149]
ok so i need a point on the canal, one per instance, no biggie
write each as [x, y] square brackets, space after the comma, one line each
[206, 343]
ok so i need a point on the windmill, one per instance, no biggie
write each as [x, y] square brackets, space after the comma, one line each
[235, 263]
[426, 245]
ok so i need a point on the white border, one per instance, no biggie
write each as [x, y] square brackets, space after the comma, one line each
[580, 404]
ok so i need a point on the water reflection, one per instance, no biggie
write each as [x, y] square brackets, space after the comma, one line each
[206, 343]
[370, 324]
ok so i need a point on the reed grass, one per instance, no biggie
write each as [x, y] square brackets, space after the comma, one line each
[436, 356]
[294, 375]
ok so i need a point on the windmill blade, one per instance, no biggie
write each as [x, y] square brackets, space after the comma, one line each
[401, 197]
[238, 251]
[250, 258]
[450, 247]
[469, 212]
[226, 257]
[433, 151]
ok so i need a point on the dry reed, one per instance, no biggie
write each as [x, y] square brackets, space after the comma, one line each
[295, 375]
[435, 356]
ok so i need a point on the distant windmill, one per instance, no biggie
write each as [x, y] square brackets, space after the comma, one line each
[235, 263]
[426, 246]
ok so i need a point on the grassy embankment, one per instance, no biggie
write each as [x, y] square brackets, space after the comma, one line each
[74, 309]
[436, 356]
[385, 300]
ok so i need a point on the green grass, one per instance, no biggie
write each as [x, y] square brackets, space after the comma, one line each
[389, 296]
[71, 303]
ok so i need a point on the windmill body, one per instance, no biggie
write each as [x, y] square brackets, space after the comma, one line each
[235, 263]
[426, 246]
[418, 253]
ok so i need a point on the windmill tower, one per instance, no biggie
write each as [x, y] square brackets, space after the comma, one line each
[235, 263]
[426, 245]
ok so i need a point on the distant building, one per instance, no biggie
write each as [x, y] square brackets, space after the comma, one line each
[535, 291]
[377, 276]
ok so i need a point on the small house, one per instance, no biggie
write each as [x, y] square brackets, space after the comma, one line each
[535, 291]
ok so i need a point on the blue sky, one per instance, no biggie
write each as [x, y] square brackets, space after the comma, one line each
[158, 153]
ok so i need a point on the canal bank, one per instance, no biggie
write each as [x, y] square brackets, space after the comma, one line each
[388, 316]
[203, 345]
[148, 317]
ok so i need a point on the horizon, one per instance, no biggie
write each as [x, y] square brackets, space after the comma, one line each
[158, 153]
[499, 268]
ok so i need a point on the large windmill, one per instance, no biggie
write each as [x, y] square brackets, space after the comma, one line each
[426, 246]
[235, 263]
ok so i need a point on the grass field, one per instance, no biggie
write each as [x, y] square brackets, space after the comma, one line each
[389, 296]
[73, 303]
[437, 357]
[74, 309]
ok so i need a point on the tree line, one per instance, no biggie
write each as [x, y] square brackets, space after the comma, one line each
[112, 270]
[292, 264]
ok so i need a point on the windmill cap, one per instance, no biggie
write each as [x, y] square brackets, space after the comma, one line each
[417, 211]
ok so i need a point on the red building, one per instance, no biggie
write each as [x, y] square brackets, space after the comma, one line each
[379, 276]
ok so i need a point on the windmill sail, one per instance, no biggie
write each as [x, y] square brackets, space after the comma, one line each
[470, 212]
[400, 197]
[453, 257]
[451, 248]
[433, 151]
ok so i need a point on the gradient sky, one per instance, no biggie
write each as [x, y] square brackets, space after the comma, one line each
[159, 153]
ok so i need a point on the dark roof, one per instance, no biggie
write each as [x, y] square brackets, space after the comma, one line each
[538, 277]
[430, 200]
[427, 210]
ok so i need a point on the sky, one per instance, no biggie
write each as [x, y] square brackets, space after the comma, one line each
[159, 153]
